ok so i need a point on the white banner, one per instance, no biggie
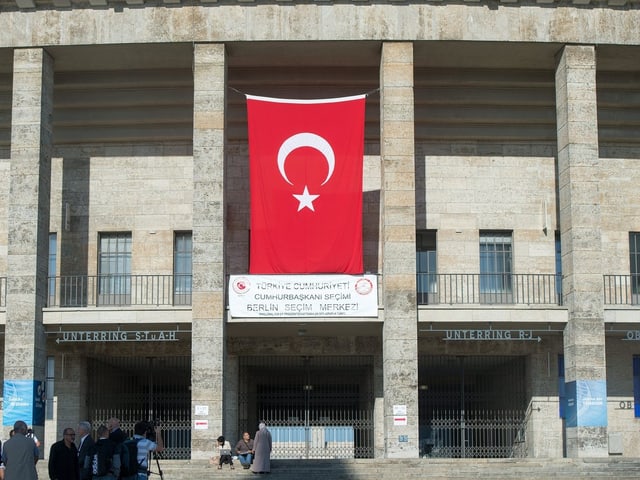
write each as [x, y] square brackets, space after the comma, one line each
[303, 296]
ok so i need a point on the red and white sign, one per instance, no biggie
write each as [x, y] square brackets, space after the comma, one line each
[306, 185]
[253, 296]
[201, 425]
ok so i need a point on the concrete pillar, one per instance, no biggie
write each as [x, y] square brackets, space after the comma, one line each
[578, 169]
[208, 339]
[400, 333]
[28, 227]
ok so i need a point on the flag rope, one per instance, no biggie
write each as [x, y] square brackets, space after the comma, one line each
[366, 94]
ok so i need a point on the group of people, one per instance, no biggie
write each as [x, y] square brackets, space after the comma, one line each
[107, 457]
[77, 456]
[254, 454]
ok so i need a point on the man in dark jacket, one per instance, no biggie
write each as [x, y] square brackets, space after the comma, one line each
[116, 435]
[63, 458]
[84, 448]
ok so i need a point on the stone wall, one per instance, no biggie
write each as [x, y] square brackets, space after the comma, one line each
[119, 189]
[620, 205]
[4, 191]
[465, 194]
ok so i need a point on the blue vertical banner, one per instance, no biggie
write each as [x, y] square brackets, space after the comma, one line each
[586, 403]
[23, 400]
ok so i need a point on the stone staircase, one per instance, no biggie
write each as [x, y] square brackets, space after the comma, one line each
[401, 469]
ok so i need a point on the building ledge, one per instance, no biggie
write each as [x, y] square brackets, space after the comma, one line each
[492, 313]
[113, 316]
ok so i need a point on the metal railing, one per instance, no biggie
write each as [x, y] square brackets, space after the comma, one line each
[119, 290]
[485, 288]
[475, 434]
[622, 289]
[315, 406]
[3, 291]
[143, 388]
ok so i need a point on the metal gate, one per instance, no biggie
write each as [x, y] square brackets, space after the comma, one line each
[155, 389]
[315, 407]
[472, 406]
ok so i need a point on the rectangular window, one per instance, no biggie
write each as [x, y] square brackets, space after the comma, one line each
[48, 389]
[558, 269]
[114, 269]
[496, 267]
[562, 396]
[182, 268]
[53, 255]
[634, 266]
[427, 279]
[636, 385]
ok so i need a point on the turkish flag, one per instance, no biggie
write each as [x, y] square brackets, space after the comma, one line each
[306, 184]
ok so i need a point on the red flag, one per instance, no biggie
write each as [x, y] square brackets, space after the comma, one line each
[306, 184]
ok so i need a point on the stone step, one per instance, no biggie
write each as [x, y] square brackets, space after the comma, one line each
[404, 469]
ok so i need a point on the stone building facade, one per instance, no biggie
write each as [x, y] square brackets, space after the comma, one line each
[501, 220]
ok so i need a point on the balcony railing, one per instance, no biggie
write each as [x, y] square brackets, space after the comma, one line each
[3, 291]
[481, 288]
[119, 290]
[433, 289]
[622, 289]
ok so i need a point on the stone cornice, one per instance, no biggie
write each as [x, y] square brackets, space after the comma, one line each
[121, 23]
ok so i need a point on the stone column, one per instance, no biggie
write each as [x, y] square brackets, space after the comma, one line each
[208, 338]
[578, 169]
[28, 222]
[400, 332]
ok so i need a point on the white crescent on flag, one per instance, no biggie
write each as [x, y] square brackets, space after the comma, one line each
[306, 139]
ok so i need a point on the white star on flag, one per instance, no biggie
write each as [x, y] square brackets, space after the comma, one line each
[305, 199]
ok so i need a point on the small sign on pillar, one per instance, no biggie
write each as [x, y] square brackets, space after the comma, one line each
[399, 415]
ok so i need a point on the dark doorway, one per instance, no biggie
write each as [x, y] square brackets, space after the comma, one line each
[315, 407]
[472, 406]
[155, 389]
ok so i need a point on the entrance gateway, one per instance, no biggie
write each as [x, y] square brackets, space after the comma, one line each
[472, 406]
[155, 389]
[322, 406]
[315, 407]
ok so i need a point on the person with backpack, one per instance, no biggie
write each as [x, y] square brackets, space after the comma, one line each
[135, 451]
[103, 460]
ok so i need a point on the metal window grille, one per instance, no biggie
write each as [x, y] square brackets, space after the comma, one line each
[426, 267]
[114, 269]
[182, 268]
[634, 261]
[495, 267]
[53, 255]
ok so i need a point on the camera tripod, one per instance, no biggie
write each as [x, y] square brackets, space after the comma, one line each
[149, 471]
